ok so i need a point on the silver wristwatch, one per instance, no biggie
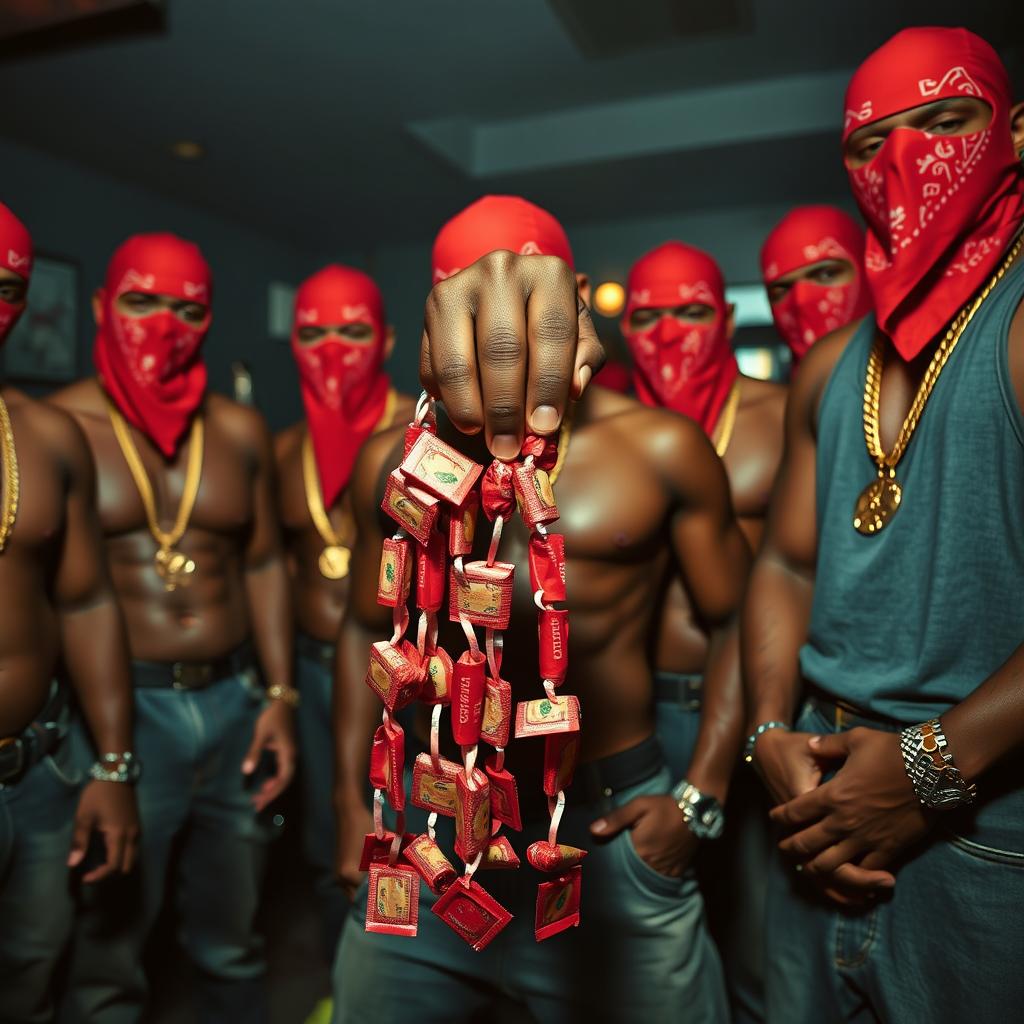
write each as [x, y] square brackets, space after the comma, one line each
[124, 767]
[702, 813]
[936, 780]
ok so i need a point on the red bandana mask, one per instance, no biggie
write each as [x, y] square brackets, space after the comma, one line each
[344, 388]
[16, 256]
[150, 366]
[497, 222]
[810, 310]
[689, 368]
[941, 209]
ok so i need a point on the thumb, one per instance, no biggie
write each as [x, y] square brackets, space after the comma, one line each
[622, 817]
[832, 747]
[590, 354]
[253, 754]
[79, 842]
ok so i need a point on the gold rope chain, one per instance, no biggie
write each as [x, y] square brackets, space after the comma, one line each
[728, 420]
[873, 380]
[11, 479]
[563, 445]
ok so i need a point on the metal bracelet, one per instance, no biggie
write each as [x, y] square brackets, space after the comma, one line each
[748, 747]
[929, 764]
[124, 767]
[286, 694]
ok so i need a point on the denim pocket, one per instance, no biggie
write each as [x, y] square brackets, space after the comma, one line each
[653, 882]
[61, 765]
[978, 851]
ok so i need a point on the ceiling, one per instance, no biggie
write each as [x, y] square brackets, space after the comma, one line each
[374, 121]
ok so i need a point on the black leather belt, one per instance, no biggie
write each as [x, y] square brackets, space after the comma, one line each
[42, 737]
[193, 675]
[315, 650]
[598, 780]
[675, 688]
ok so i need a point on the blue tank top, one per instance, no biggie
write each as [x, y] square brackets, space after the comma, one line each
[910, 621]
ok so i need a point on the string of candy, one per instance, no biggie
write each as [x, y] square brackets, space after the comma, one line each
[436, 482]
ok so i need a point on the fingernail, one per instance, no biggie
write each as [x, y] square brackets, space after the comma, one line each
[585, 374]
[814, 741]
[246, 767]
[504, 446]
[544, 419]
[599, 826]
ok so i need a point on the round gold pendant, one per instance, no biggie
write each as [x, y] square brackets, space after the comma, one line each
[174, 568]
[334, 561]
[877, 504]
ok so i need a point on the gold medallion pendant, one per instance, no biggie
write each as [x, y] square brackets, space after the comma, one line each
[333, 561]
[174, 568]
[877, 504]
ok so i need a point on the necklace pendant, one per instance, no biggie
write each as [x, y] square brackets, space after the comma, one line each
[333, 562]
[174, 568]
[877, 504]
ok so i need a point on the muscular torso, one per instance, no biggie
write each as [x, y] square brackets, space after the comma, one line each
[29, 635]
[751, 462]
[208, 617]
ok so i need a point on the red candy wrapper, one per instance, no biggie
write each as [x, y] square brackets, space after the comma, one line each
[375, 851]
[497, 713]
[462, 526]
[504, 796]
[393, 900]
[387, 763]
[547, 566]
[395, 577]
[472, 815]
[430, 573]
[414, 510]
[543, 449]
[472, 913]
[439, 468]
[497, 490]
[545, 856]
[544, 716]
[534, 496]
[483, 594]
[499, 856]
[468, 689]
[561, 752]
[440, 672]
[558, 904]
[553, 644]
[412, 435]
[392, 676]
[433, 866]
[433, 789]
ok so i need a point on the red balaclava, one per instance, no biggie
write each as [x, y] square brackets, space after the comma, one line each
[810, 310]
[497, 222]
[941, 210]
[344, 387]
[150, 366]
[686, 367]
[16, 256]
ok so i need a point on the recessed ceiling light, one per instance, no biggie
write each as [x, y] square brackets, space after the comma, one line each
[609, 298]
[188, 149]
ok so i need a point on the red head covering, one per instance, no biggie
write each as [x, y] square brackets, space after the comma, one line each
[497, 222]
[941, 210]
[810, 310]
[16, 256]
[150, 366]
[686, 367]
[344, 388]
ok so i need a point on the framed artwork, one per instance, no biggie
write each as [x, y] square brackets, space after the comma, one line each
[44, 345]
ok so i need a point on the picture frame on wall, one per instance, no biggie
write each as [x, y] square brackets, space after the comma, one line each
[43, 347]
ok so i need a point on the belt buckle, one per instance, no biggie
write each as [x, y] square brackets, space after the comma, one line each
[12, 757]
[188, 676]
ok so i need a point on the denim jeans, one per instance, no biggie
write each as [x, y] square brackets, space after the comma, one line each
[196, 814]
[36, 816]
[316, 750]
[944, 948]
[641, 952]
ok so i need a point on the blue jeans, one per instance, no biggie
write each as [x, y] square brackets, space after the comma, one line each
[641, 952]
[36, 816]
[316, 748]
[195, 808]
[944, 948]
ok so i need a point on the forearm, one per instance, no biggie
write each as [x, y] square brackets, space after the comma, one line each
[271, 618]
[96, 656]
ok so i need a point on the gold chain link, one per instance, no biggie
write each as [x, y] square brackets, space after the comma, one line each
[727, 420]
[11, 479]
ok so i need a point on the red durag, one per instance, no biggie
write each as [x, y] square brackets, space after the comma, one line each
[497, 222]
[150, 366]
[16, 256]
[686, 367]
[344, 388]
[941, 210]
[810, 310]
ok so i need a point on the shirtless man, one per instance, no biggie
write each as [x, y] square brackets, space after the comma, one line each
[884, 624]
[812, 264]
[507, 343]
[340, 340]
[198, 597]
[57, 604]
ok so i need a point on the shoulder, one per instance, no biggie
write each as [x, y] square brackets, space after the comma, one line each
[812, 376]
[288, 442]
[405, 409]
[242, 423]
[762, 403]
[83, 399]
[53, 426]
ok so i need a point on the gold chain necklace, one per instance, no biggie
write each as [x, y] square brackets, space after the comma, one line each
[337, 553]
[11, 480]
[727, 420]
[880, 500]
[174, 568]
[563, 446]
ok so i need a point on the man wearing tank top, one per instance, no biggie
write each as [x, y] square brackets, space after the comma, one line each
[883, 629]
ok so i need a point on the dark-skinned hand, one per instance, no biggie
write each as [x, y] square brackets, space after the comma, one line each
[274, 732]
[659, 834]
[108, 809]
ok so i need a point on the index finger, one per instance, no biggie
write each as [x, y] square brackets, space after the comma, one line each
[804, 808]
